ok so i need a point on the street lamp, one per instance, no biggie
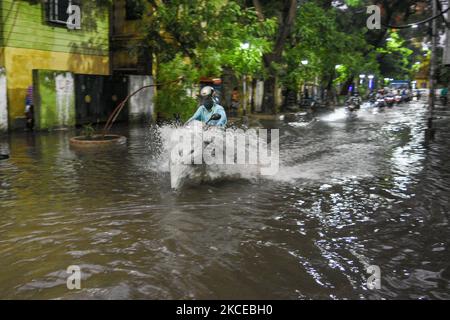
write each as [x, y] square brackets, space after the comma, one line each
[362, 77]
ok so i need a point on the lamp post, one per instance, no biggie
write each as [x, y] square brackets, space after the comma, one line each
[244, 46]
[361, 78]
[304, 63]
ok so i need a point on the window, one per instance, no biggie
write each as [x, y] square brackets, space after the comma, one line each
[57, 10]
[134, 9]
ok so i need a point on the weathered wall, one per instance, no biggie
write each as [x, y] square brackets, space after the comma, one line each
[2, 54]
[3, 102]
[141, 105]
[32, 43]
[21, 62]
[128, 55]
[54, 94]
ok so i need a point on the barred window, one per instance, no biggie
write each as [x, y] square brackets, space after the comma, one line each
[57, 10]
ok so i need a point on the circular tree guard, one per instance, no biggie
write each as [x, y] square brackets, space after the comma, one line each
[98, 141]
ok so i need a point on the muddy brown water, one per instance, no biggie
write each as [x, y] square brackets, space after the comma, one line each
[350, 193]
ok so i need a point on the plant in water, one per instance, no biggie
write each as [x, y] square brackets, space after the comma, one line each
[88, 131]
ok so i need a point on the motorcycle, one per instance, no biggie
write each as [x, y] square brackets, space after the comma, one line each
[406, 97]
[379, 103]
[389, 101]
[416, 95]
[353, 104]
[398, 99]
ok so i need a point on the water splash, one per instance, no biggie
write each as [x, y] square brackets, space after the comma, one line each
[181, 166]
[337, 115]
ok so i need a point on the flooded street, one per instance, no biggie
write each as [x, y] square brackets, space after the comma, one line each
[350, 193]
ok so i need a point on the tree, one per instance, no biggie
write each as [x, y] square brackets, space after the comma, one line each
[287, 11]
[205, 36]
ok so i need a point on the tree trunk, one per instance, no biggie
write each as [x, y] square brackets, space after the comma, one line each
[227, 88]
[330, 92]
[252, 103]
[268, 104]
[286, 23]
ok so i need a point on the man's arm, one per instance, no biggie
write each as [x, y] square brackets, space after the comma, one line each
[197, 115]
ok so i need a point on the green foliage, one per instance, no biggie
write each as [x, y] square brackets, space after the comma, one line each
[319, 39]
[198, 38]
[353, 3]
[397, 55]
[172, 96]
[88, 131]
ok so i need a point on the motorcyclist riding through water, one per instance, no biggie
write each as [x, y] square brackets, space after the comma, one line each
[209, 107]
[354, 102]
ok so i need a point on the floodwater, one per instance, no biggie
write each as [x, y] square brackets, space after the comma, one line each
[352, 192]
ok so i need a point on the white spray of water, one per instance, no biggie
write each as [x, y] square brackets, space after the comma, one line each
[193, 160]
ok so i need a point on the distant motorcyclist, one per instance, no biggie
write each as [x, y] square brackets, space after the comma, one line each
[209, 106]
[354, 101]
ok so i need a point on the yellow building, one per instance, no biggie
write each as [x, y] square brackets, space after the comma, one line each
[35, 35]
[129, 55]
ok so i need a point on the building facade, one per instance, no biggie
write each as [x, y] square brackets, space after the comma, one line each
[129, 54]
[34, 35]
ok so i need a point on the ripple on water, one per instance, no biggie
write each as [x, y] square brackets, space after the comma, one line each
[349, 194]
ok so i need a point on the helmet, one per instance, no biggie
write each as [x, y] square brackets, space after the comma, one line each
[207, 91]
[207, 96]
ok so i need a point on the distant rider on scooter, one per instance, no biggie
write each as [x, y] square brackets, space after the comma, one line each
[354, 102]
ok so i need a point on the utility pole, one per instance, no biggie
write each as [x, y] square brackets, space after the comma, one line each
[432, 97]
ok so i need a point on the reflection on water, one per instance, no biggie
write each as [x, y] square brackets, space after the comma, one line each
[350, 193]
